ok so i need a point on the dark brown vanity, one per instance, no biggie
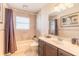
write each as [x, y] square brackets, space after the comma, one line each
[46, 49]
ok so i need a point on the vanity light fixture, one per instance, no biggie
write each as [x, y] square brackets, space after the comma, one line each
[57, 9]
[63, 6]
[69, 5]
[25, 6]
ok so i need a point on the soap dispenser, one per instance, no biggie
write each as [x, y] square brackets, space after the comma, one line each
[74, 40]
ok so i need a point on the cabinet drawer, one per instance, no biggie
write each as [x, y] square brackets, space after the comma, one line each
[63, 53]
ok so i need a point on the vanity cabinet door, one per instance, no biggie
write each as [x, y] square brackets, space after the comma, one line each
[41, 48]
[50, 50]
[63, 53]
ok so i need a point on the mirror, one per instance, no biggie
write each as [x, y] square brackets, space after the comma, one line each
[53, 28]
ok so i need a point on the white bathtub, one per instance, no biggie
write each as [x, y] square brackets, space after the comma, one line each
[26, 48]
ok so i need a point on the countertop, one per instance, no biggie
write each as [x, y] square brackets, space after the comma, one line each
[64, 45]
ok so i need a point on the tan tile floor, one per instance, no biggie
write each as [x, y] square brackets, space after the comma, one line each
[26, 48]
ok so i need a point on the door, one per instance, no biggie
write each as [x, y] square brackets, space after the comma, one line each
[41, 48]
[50, 50]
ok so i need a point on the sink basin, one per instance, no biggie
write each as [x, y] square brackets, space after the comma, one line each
[60, 39]
[48, 36]
[57, 39]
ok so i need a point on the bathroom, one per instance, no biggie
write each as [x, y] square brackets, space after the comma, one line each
[28, 33]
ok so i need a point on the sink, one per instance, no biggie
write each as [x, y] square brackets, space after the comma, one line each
[48, 36]
[60, 39]
[54, 38]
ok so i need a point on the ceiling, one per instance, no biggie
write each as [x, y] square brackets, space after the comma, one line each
[33, 7]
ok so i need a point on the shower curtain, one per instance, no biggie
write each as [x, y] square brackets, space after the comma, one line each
[10, 42]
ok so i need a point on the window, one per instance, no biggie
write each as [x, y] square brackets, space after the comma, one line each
[22, 23]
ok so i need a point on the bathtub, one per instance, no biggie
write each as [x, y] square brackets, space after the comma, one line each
[26, 48]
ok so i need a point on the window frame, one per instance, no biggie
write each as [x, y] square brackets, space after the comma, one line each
[21, 23]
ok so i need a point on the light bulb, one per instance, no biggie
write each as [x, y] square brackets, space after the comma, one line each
[62, 7]
[57, 9]
[69, 5]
